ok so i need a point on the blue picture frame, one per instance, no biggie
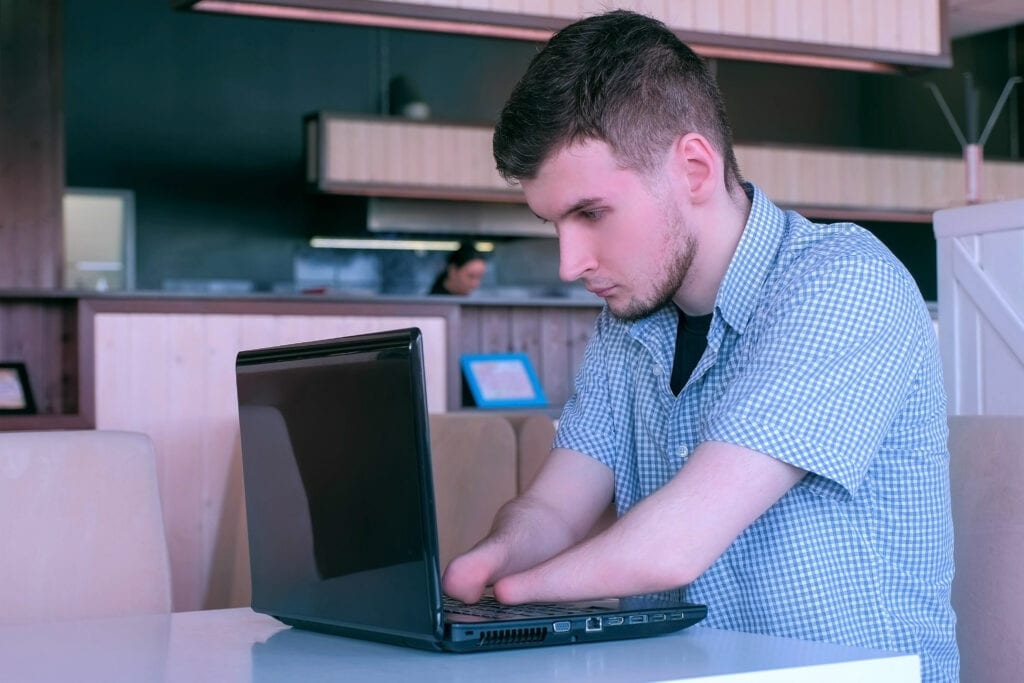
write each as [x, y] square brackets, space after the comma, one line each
[502, 380]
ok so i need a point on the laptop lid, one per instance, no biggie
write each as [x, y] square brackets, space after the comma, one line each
[340, 503]
[339, 497]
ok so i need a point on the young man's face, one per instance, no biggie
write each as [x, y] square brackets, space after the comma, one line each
[621, 232]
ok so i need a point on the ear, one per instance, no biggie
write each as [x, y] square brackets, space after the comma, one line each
[699, 166]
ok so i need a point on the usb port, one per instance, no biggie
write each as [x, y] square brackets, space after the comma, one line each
[658, 617]
[613, 621]
[561, 626]
[638, 619]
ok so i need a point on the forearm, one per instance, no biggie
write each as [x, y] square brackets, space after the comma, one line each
[559, 509]
[666, 540]
[631, 557]
[529, 532]
[525, 533]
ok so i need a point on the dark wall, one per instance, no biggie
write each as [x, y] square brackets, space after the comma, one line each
[900, 112]
[201, 116]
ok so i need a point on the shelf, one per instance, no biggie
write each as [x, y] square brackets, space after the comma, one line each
[22, 423]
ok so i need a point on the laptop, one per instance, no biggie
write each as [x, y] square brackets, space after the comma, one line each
[340, 504]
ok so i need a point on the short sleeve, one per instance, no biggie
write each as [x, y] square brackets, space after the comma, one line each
[587, 424]
[826, 369]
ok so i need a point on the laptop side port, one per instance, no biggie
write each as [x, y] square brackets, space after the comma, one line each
[613, 621]
[561, 626]
[593, 624]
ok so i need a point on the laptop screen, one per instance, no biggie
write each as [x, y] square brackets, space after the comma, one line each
[337, 486]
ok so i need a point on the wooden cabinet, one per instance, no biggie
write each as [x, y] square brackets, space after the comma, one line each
[42, 331]
[852, 34]
[394, 157]
[402, 158]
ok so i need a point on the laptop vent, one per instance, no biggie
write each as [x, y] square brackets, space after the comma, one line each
[513, 636]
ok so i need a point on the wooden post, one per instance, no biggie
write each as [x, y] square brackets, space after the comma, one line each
[31, 145]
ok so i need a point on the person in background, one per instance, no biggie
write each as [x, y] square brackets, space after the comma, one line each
[463, 271]
[761, 397]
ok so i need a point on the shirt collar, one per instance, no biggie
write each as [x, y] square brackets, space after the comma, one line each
[762, 236]
[739, 292]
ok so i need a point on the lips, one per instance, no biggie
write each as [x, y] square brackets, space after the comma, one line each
[602, 292]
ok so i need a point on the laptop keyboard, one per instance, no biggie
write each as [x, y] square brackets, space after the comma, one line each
[490, 608]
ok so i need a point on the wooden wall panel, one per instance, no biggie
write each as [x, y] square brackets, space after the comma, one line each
[838, 180]
[31, 144]
[416, 156]
[171, 375]
[554, 356]
[552, 336]
[911, 27]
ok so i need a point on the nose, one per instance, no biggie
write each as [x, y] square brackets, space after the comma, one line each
[575, 255]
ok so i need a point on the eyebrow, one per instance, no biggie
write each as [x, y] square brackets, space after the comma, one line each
[578, 206]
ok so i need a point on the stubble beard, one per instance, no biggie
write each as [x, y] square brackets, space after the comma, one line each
[682, 247]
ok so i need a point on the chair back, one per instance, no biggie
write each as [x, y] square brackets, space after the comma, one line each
[81, 528]
[987, 488]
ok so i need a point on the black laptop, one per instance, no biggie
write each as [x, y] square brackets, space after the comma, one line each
[340, 505]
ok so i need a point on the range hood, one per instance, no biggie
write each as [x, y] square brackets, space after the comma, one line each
[442, 217]
[362, 216]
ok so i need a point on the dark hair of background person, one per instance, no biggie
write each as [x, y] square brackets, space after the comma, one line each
[456, 260]
[621, 78]
[463, 255]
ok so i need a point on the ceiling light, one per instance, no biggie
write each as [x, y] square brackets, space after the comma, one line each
[393, 244]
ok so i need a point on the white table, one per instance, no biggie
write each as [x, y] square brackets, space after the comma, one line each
[240, 645]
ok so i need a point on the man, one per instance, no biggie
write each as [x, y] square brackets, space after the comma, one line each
[795, 479]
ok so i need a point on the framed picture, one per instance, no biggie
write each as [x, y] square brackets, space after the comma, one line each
[502, 380]
[15, 392]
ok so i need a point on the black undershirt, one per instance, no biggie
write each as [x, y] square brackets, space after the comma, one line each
[691, 340]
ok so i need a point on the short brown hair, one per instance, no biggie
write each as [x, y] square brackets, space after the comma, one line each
[622, 78]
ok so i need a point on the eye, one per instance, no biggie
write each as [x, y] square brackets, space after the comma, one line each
[591, 215]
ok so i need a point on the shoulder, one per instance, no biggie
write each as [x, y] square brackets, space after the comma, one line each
[835, 288]
[841, 257]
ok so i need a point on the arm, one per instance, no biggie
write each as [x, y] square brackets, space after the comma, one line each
[668, 539]
[558, 509]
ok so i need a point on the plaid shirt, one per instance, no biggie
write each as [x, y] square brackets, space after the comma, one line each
[821, 354]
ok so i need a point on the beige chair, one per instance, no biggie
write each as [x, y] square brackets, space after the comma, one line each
[81, 528]
[474, 471]
[987, 487]
[535, 434]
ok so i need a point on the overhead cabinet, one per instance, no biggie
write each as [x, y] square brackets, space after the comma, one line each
[850, 34]
[396, 157]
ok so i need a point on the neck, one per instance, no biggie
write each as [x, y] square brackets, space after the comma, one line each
[718, 227]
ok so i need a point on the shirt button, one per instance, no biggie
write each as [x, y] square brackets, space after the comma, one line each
[683, 451]
[657, 371]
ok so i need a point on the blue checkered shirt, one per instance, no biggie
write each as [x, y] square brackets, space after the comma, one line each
[821, 354]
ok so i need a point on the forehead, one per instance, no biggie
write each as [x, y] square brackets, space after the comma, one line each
[574, 174]
[589, 155]
[472, 265]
